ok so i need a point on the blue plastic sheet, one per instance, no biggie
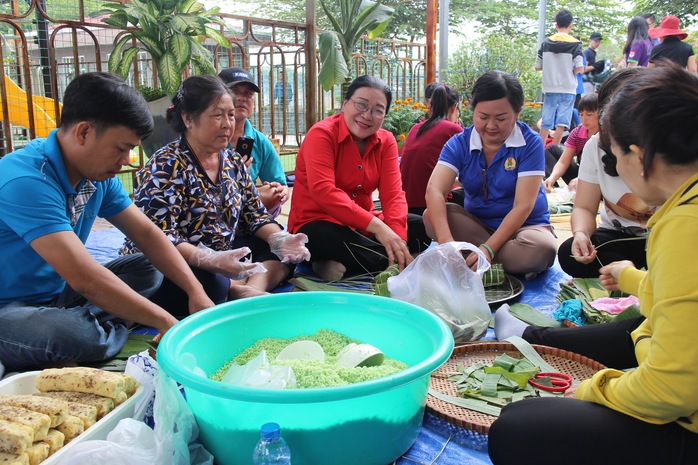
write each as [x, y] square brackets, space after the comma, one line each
[540, 293]
[439, 442]
[104, 244]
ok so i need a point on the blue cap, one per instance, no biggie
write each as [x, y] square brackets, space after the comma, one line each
[271, 431]
[233, 76]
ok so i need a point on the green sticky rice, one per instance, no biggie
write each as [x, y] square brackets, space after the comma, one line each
[314, 373]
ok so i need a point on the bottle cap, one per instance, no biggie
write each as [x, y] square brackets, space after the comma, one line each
[271, 431]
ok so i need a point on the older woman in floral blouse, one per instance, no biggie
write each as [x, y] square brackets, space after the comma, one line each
[202, 196]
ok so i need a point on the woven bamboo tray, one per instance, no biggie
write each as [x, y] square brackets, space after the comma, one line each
[575, 365]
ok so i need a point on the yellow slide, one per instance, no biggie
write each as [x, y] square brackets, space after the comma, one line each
[18, 109]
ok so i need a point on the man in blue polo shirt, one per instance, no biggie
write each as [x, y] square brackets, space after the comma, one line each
[58, 306]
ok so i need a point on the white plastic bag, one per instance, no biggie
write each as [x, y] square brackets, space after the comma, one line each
[173, 441]
[440, 281]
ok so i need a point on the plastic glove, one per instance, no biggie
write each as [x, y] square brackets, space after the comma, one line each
[226, 262]
[290, 248]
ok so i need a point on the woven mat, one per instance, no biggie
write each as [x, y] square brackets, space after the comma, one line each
[575, 365]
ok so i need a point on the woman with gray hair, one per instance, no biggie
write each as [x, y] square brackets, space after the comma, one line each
[201, 195]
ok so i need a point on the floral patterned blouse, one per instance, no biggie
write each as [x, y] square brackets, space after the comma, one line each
[175, 192]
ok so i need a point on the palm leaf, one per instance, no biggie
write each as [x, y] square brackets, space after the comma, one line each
[334, 68]
[169, 73]
[126, 62]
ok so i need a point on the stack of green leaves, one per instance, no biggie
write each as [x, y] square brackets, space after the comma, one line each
[499, 383]
[494, 276]
[586, 290]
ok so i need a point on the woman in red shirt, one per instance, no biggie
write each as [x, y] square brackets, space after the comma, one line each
[342, 161]
[424, 143]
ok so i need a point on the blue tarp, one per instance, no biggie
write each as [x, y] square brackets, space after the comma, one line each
[439, 442]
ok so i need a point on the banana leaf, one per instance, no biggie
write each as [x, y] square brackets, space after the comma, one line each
[530, 315]
[586, 290]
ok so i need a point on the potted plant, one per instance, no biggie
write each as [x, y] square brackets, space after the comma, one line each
[356, 18]
[158, 102]
[171, 31]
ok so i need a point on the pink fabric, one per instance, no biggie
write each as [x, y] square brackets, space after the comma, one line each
[614, 305]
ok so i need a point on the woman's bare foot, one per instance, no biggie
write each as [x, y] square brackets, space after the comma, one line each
[329, 270]
[240, 291]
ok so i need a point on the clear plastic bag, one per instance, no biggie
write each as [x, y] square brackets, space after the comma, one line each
[440, 281]
[173, 441]
[259, 373]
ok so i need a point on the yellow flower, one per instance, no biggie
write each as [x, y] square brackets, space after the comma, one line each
[398, 102]
[403, 137]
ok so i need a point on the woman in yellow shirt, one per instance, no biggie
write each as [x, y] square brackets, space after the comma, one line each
[649, 414]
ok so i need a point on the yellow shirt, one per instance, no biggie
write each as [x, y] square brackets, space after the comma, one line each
[664, 386]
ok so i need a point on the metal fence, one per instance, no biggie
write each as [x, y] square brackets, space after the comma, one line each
[44, 44]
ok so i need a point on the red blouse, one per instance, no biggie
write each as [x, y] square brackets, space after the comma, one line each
[335, 183]
[419, 157]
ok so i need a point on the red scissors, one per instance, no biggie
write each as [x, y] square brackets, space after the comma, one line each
[560, 381]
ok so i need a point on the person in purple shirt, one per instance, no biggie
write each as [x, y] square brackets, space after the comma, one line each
[638, 44]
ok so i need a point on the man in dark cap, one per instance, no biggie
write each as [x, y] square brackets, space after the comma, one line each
[264, 162]
[592, 66]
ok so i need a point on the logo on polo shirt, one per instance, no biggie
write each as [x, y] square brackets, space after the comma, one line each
[510, 164]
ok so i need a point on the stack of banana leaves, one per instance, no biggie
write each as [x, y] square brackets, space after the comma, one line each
[586, 290]
[487, 387]
[503, 381]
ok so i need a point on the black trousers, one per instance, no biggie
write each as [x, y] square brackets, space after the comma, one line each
[358, 253]
[575, 432]
[623, 247]
[552, 155]
[572, 431]
[607, 343]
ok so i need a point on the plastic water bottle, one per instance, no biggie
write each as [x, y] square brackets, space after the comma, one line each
[271, 448]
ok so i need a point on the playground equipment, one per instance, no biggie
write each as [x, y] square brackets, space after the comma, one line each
[18, 109]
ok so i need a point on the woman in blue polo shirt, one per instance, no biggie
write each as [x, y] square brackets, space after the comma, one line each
[501, 163]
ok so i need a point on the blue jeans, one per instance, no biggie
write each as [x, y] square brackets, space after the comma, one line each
[69, 328]
[557, 110]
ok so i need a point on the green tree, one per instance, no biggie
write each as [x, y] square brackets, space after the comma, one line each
[356, 17]
[685, 10]
[516, 18]
[171, 31]
[410, 18]
[494, 51]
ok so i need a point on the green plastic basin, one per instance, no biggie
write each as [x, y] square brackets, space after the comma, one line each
[367, 423]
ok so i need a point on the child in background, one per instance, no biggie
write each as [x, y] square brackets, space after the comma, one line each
[563, 165]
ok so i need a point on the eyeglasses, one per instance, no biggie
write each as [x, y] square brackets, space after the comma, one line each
[363, 108]
[243, 93]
